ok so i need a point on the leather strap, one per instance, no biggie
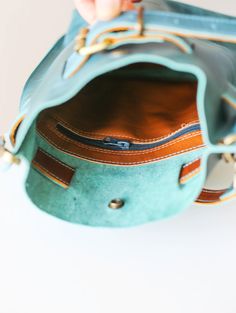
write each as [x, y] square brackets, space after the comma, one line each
[53, 169]
[208, 196]
[195, 26]
[178, 25]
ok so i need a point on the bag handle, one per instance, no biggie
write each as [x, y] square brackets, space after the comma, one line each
[152, 26]
[220, 28]
[111, 42]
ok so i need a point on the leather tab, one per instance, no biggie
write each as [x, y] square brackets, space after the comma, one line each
[208, 196]
[52, 168]
[189, 170]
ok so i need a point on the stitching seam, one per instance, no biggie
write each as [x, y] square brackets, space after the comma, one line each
[190, 163]
[124, 163]
[58, 119]
[194, 134]
[213, 191]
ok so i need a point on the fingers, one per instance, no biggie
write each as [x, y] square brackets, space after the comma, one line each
[92, 10]
[108, 9]
[87, 10]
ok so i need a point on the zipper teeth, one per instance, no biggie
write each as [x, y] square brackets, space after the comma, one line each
[133, 146]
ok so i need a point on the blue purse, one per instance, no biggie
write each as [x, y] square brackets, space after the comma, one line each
[124, 122]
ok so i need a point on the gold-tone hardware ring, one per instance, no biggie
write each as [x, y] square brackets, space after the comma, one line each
[98, 47]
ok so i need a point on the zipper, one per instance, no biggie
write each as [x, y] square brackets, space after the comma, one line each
[111, 143]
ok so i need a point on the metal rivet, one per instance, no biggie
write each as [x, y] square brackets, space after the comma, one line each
[116, 204]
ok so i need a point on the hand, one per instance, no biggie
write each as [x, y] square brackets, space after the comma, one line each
[92, 10]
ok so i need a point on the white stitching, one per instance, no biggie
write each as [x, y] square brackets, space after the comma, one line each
[213, 191]
[190, 163]
[122, 163]
[208, 201]
[59, 119]
[198, 18]
[194, 134]
[121, 153]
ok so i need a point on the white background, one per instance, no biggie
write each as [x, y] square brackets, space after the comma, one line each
[185, 264]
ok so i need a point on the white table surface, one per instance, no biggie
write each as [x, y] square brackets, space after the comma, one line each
[181, 265]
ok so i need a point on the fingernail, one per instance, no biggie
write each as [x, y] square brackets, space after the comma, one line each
[108, 9]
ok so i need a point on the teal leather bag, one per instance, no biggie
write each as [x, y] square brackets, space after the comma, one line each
[123, 122]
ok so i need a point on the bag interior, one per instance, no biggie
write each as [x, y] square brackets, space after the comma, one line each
[151, 108]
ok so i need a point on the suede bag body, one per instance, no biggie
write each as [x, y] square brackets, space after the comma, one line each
[123, 136]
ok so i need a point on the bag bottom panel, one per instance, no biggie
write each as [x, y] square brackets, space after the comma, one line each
[150, 192]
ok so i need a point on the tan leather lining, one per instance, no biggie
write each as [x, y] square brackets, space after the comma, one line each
[139, 110]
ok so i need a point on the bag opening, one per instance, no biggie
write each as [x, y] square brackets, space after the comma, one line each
[138, 114]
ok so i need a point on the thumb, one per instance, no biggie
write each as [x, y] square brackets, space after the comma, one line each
[108, 9]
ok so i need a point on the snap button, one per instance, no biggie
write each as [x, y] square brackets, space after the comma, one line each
[116, 204]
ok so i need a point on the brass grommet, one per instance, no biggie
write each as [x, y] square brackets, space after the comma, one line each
[116, 204]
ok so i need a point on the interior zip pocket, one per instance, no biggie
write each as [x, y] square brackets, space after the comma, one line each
[112, 143]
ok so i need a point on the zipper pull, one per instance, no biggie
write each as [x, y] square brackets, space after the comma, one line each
[123, 145]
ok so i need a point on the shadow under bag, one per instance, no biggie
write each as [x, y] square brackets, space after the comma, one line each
[126, 121]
